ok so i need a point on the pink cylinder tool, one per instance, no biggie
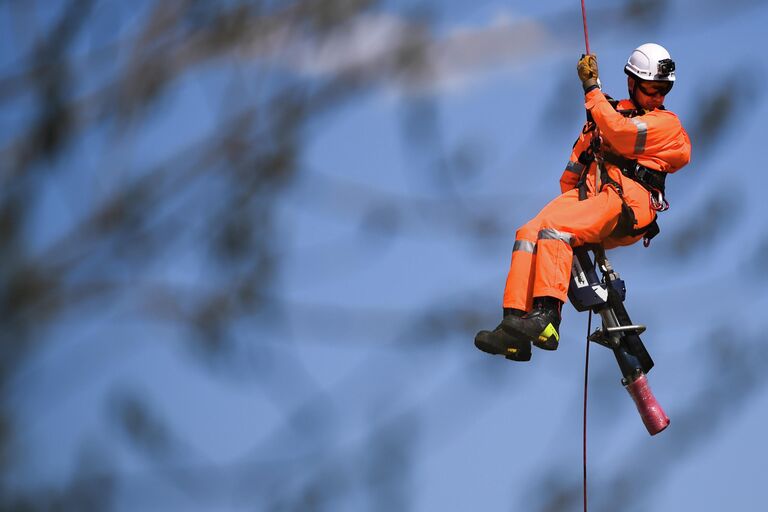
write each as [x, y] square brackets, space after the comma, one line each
[654, 417]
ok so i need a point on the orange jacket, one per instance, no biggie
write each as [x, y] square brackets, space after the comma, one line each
[655, 139]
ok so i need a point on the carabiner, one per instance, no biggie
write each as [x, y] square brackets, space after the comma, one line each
[658, 201]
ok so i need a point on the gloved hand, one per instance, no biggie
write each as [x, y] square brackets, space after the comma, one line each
[587, 69]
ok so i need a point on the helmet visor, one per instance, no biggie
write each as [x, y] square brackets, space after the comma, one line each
[656, 88]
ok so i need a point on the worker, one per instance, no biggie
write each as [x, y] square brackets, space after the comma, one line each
[611, 191]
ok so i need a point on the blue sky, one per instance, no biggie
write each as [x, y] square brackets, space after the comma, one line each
[374, 234]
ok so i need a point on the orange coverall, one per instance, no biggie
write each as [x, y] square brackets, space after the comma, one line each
[542, 254]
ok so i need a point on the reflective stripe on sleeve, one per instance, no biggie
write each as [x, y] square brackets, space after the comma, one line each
[642, 135]
[525, 246]
[576, 167]
[553, 234]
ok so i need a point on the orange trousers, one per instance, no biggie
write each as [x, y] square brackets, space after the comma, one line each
[543, 254]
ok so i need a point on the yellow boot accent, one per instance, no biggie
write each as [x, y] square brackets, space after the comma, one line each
[548, 332]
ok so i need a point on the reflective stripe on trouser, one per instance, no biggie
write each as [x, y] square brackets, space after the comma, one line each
[563, 223]
[518, 292]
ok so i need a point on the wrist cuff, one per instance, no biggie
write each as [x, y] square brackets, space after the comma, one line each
[590, 87]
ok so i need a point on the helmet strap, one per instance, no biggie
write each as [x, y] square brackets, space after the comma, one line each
[633, 96]
[633, 93]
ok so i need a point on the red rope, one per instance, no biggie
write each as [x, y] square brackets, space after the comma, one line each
[584, 20]
[584, 435]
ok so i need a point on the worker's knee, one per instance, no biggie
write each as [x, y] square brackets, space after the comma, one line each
[551, 230]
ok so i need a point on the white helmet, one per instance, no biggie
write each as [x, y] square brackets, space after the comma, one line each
[651, 61]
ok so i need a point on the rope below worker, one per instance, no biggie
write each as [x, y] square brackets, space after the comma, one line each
[584, 430]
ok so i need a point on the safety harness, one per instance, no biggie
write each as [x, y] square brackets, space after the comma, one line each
[652, 180]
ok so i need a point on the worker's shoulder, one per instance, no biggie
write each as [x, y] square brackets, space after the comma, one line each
[663, 112]
[664, 116]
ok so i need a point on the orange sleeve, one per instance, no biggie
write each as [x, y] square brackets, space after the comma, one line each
[574, 168]
[655, 139]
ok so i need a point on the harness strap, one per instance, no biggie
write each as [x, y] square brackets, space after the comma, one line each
[585, 159]
[652, 180]
[627, 219]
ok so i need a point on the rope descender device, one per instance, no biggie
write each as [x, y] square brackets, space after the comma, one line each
[605, 297]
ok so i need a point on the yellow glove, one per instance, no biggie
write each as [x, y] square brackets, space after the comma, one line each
[587, 69]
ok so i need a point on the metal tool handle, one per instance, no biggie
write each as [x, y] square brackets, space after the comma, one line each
[637, 329]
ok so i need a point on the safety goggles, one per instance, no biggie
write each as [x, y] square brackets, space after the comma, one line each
[656, 89]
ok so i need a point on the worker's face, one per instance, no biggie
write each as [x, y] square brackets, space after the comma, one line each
[649, 95]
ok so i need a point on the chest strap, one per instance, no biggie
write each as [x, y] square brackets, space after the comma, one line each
[650, 179]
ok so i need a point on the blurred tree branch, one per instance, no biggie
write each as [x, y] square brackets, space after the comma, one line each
[215, 197]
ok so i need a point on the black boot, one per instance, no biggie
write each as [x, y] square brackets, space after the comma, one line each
[540, 326]
[498, 342]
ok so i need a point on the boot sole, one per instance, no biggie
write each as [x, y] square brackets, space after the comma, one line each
[549, 344]
[511, 353]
